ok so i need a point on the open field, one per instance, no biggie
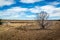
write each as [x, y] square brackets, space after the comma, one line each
[10, 32]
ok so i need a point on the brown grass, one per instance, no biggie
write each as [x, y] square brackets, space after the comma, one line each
[18, 33]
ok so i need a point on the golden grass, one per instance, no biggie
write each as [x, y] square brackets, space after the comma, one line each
[51, 33]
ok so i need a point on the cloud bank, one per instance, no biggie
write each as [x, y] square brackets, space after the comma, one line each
[21, 13]
[25, 13]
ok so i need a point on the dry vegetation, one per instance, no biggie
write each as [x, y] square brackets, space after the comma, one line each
[21, 33]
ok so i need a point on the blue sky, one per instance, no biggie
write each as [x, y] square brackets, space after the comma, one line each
[28, 9]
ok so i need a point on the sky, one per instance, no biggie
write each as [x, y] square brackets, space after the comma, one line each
[28, 9]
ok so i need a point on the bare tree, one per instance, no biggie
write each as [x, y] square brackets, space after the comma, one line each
[42, 19]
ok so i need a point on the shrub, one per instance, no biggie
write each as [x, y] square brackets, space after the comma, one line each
[0, 22]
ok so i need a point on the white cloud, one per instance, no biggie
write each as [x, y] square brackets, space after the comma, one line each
[36, 9]
[17, 9]
[50, 9]
[21, 13]
[30, 1]
[54, 3]
[15, 13]
[6, 2]
[30, 16]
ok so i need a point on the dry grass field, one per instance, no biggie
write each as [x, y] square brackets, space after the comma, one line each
[21, 32]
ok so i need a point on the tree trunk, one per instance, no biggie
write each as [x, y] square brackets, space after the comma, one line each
[43, 27]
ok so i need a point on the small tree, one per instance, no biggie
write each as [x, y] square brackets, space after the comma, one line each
[0, 22]
[42, 19]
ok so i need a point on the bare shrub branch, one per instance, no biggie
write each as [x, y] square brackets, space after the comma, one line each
[42, 19]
